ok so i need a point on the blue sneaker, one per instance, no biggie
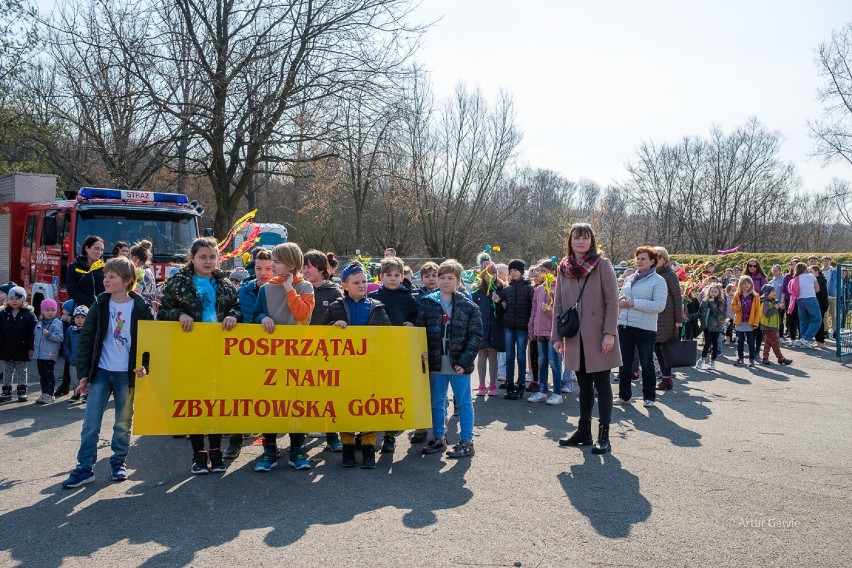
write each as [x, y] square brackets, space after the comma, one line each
[335, 446]
[119, 471]
[79, 476]
[267, 461]
[299, 461]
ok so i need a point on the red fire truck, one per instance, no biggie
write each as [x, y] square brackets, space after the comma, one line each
[41, 235]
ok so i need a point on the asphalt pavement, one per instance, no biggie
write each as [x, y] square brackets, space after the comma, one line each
[741, 467]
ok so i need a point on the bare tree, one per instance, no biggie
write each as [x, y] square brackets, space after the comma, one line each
[833, 134]
[459, 159]
[87, 89]
[252, 69]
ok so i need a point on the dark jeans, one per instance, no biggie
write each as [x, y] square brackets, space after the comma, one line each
[758, 340]
[589, 383]
[742, 338]
[631, 339]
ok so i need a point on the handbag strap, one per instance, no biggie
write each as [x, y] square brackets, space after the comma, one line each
[583, 289]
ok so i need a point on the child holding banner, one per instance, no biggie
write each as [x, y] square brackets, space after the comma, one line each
[201, 292]
[287, 299]
[106, 355]
[453, 333]
[356, 309]
[401, 308]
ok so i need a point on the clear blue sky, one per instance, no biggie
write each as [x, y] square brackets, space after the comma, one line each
[591, 79]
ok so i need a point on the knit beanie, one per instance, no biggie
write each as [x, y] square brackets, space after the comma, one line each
[68, 306]
[81, 311]
[517, 264]
[49, 305]
[6, 287]
[18, 292]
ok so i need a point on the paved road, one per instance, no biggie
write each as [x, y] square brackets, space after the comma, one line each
[742, 467]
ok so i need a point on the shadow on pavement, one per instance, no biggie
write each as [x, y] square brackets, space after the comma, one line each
[165, 506]
[606, 494]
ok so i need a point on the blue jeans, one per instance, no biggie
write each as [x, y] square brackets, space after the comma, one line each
[116, 383]
[810, 318]
[438, 385]
[547, 354]
[516, 342]
[631, 340]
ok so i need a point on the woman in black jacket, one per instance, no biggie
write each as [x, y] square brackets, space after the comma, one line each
[84, 279]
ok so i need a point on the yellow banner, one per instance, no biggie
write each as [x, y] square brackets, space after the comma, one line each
[298, 379]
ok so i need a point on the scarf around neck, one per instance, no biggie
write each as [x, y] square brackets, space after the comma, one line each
[570, 267]
[637, 276]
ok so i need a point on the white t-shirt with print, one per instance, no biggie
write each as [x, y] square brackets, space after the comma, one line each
[115, 354]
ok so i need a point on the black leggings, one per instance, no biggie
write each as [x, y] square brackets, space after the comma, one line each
[711, 344]
[589, 382]
[197, 441]
[296, 441]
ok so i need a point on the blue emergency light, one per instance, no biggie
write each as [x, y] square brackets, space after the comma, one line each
[131, 195]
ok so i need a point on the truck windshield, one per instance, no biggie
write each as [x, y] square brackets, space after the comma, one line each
[170, 234]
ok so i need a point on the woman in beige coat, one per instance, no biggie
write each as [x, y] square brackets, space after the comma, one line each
[594, 351]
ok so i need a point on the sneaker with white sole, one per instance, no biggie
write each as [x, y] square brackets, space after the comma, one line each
[45, 398]
[555, 399]
[700, 363]
[649, 404]
[568, 387]
[78, 476]
[537, 397]
[619, 400]
[711, 366]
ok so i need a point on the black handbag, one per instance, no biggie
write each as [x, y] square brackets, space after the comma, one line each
[568, 322]
[677, 353]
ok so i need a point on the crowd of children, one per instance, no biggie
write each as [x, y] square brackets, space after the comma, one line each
[491, 326]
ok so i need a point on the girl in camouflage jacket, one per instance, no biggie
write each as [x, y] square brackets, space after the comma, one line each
[201, 292]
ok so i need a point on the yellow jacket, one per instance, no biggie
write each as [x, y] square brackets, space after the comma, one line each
[753, 316]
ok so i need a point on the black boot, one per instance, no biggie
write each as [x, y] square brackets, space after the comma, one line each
[7, 394]
[582, 436]
[63, 387]
[602, 445]
[388, 444]
[349, 455]
[510, 392]
[22, 393]
[368, 457]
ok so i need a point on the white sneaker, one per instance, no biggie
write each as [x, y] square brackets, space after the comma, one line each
[555, 399]
[568, 387]
[649, 404]
[45, 398]
[619, 400]
[501, 378]
[700, 363]
[711, 366]
[537, 397]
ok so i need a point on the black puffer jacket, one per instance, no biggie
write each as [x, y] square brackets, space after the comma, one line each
[517, 300]
[339, 311]
[17, 334]
[465, 329]
[83, 288]
[399, 304]
[95, 329]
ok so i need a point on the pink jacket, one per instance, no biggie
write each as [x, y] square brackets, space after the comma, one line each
[541, 318]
